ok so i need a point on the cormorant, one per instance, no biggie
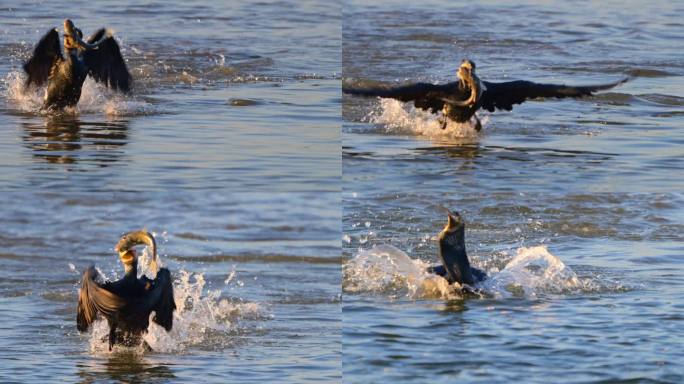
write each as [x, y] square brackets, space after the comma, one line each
[455, 265]
[128, 302]
[99, 57]
[459, 100]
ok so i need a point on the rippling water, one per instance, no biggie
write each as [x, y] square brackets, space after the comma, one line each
[251, 86]
[256, 279]
[228, 150]
[573, 207]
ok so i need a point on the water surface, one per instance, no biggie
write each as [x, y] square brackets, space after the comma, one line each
[256, 282]
[228, 149]
[574, 207]
[242, 96]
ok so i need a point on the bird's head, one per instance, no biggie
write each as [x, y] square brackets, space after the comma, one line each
[454, 222]
[72, 35]
[466, 70]
[454, 231]
[73, 38]
[131, 239]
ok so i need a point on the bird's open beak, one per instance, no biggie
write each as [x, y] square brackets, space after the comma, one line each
[72, 40]
[128, 256]
[453, 220]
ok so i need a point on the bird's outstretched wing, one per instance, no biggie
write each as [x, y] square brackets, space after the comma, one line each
[505, 95]
[424, 95]
[93, 298]
[105, 64]
[44, 55]
[165, 304]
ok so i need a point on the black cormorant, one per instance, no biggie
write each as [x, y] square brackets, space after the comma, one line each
[65, 73]
[128, 302]
[459, 100]
[455, 265]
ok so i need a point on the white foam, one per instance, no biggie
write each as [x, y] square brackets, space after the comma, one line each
[534, 271]
[387, 269]
[202, 318]
[396, 119]
[531, 272]
[25, 100]
[95, 98]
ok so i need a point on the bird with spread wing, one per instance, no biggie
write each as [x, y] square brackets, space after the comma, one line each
[65, 72]
[127, 303]
[459, 100]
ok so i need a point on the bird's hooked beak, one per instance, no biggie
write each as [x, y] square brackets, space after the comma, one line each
[73, 38]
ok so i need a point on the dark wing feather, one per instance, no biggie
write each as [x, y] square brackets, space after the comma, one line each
[505, 95]
[93, 299]
[46, 52]
[96, 36]
[106, 65]
[165, 304]
[424, 95]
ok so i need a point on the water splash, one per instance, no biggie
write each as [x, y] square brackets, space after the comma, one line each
[386, 269]
[534, 271]
[26, 100]
[95, 98]
[531, 272]
[145, 265]
[395, 119]
[203, 319]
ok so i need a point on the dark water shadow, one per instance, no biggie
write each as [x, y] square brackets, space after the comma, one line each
[515, 153]
[454, 306]
[463, 151]
[66, 139]
[124, 367]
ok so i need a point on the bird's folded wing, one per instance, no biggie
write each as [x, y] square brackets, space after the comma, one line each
[105, 64]
[505, 95]
[93, 299]
[424, 95]
[165, 304]
[158, 298]
[44, 55]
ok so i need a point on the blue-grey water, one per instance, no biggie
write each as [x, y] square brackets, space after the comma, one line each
[238, 95]
[573, 207]
[256, 281]
[228, 149]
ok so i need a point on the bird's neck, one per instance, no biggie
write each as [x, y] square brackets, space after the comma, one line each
[472, 83]
[453, 244]
[72, 55]
[131, 270]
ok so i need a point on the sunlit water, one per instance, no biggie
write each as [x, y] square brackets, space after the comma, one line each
[252, 87]
[256, 283]
[228, 149]
[573, 207]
